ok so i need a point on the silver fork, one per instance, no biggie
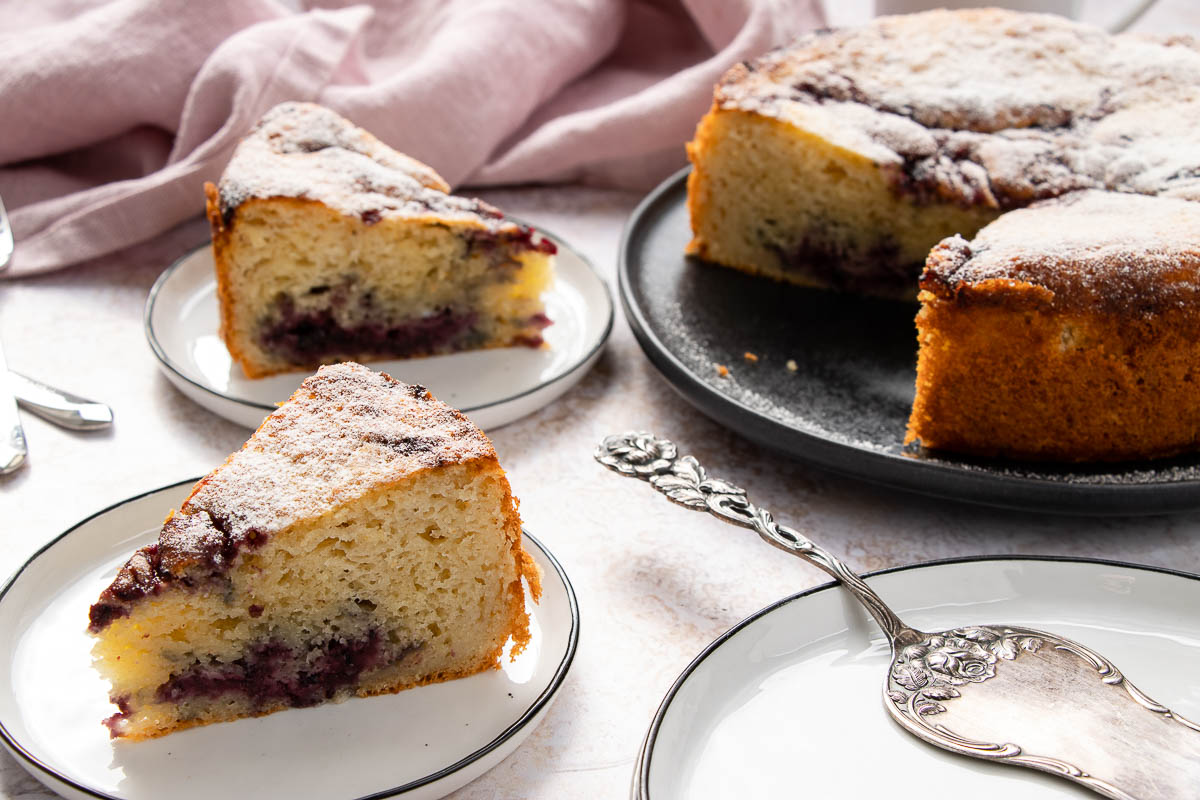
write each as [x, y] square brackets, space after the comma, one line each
[12, 436]
[61, 408]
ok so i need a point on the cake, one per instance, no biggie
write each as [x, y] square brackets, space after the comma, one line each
[330, 246]
[1058, 320]
[1069, 331]
[363, 541]
[841, 160]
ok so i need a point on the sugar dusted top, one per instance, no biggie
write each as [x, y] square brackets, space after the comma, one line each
[345, 431]
[990, 107]
[306, 151]
[1125, 253]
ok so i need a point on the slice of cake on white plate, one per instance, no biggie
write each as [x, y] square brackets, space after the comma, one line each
[363, 541]
[330, 246]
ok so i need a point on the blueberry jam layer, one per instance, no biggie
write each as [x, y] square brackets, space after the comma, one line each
[193, 549]
[877, 270]
[272, 672]
[306, 336]
[517, 241]
[116, 722]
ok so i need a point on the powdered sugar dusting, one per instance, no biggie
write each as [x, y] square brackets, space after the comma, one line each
[306, 151]
[991, 107]
[345, 431]
[1118, 252]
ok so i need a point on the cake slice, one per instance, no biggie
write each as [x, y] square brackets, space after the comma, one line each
[330, 246]
[364, 540]
[1066, 331]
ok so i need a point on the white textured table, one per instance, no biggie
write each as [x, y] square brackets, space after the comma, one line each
[655, 583]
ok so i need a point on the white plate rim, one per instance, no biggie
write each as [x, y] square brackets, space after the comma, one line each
[169, 365]
[641, 773]
[31, 762]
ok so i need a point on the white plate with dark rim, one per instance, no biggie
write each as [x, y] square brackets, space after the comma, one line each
[420, 743]
[492, 387]
[775, 706]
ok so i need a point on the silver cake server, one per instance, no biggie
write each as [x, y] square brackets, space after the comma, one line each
[1004, 693]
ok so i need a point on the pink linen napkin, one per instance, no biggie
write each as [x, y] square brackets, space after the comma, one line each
[116, 113]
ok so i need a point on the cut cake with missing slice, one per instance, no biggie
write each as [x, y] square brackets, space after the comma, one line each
[331, 246]
[363, 541]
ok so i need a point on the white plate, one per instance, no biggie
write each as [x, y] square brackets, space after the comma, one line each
[422, 743]
[492, 387]
[788, 703]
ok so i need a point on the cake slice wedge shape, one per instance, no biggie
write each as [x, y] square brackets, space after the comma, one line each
[330, 246]
[363, 541]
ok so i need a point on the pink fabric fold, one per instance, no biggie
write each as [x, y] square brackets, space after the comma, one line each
[115, 114]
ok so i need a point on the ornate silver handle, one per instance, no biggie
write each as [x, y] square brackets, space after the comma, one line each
[684, 481]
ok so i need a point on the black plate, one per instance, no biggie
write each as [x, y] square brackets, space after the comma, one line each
[846, 405]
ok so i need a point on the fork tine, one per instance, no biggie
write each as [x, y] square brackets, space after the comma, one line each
[6, 239]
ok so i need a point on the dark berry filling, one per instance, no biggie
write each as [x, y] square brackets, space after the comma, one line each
[304, 337]
[101, 615]
[539, 321]
[272, 672]
[876, 270]
[520, 240]
[114, 723]
[194, 549]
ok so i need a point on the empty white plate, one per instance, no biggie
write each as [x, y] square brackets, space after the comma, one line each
[419, 743]
[492, 387]
[788, 703]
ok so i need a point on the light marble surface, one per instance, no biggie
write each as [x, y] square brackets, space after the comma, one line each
[655, 583]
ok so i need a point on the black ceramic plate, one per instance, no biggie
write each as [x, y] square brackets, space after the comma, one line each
[846, 405]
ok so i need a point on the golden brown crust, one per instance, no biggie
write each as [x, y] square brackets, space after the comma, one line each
[1067, 331]
[1042, 383]
[697, 197]
[525, 566]
[225, 297]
